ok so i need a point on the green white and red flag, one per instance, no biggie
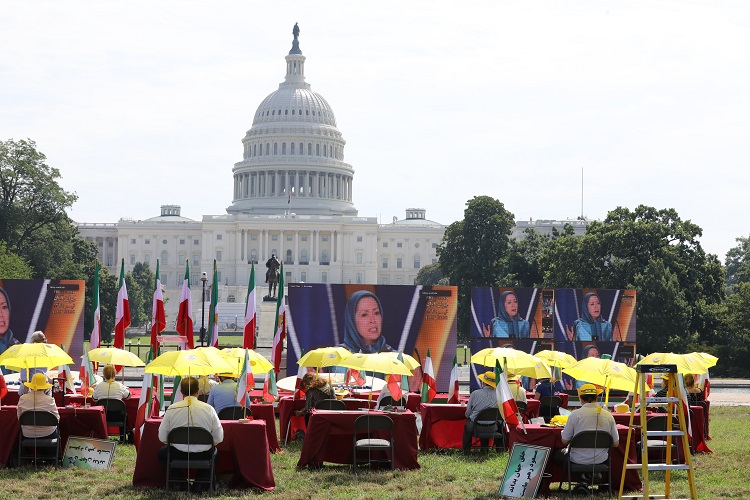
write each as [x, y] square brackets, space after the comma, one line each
[122, 312]
[213, 314]
[270, 391]
[352, 375]
[185, 311]
[505, 401]
[96, 332]
[453, 384]
[404, 379]
[158, 319]
[280, 324]
[429, 387]
[301, 370]
[251, 315]
[394, 385]
[145, 401]
[246, 382]
[86, 374]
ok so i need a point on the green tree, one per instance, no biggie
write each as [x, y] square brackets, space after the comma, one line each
[11, 265]
[733, 337]
[144, 279]
[738, 262]
[31, 199]
[473, 251]
[524, 260]
[431, 274]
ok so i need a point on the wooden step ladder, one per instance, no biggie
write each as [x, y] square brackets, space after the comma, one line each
[673, 405]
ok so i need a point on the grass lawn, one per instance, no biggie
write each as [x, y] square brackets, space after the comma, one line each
[442, 475]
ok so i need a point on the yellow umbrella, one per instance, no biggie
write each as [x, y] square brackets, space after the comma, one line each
[236, 356]
[556, 358]
[187, 363]
[409, 361]
[707, 359]
[324, 356]
[25, 356]
[686, 363]
[115, 356]
[376, 362]
[514, 361]
[604, 372]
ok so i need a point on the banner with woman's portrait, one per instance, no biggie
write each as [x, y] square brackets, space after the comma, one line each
[52, 306]
[374, 318]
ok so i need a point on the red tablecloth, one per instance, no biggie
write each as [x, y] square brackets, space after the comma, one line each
[266, 413]
[87, 422]
[697, 424]
[329, 438]
[442, 426]
[413, 400]
[288, 422]
[551, 437]
[243, 453]
[131, 405]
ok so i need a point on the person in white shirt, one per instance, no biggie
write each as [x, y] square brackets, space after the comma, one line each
[190, 412]
[109, 388]
[36, 399]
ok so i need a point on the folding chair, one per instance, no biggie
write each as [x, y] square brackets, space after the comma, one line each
[38, 418]
[234, 413]
[659, 423]
[190, 436]
[117, 415]
[549, 406]
[522, 410]
[591, 440]
[493, 428]
[389, 401]
[330, 404]
[369, 425]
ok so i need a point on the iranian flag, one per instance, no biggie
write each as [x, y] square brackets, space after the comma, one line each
[270, 391]
[428, 380]
[158, 319]
[248, 337]
[122, 313]
[185, 312]
[86, 374]
[280, 324]
[144, 402]
[352, 375]
[96, 332]
[704, 381]
[213, 315]
[505, 400]
[63, 373]
[394, 386]
[453, 384]
[246, 382]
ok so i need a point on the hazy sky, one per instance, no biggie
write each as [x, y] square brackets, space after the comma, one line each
[145, 103]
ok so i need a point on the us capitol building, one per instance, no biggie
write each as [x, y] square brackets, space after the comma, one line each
[292, 197]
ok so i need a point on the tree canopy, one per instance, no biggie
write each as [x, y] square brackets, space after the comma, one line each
[11, 265]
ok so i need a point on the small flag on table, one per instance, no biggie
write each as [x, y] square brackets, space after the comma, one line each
[270, 391]
[429, 387]
[246, 382]
[453, 384]
[505, 401]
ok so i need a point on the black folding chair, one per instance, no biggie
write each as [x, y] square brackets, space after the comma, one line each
[591, 440]
[117, 415]
[389, 401]
[38, 418]
[190, 436]
[489, 424]
[370, 425]
[234, 413]
[522, 410]
[659, 423]
[330, 404]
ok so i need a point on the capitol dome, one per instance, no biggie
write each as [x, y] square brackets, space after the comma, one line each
[293, 158]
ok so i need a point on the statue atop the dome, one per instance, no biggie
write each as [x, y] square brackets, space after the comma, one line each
[295, 43]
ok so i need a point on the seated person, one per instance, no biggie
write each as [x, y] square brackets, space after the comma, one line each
[316, 389]
[544, 388]
[589, 417]
[519, 393]
[479, 400]
[37, 337]
[109, 388]
[662, 393]
[694, 394]
[224, 394]
[205, 384]
[37, 399]
[190, 412]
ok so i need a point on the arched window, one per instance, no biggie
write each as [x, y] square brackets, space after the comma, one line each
[268, 149]
[317, 150]
[288, 259]
[324, 256]
[255, 149]
[292, 146]
[301, 148]
[309, 148]
[164, 258]
[283, 148]
[275, 148]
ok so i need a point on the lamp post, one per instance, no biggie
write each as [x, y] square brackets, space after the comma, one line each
[204, 279]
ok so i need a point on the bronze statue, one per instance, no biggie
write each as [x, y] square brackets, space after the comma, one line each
[272, 274]
[295, 31]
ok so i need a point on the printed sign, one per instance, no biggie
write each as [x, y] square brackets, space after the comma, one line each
[89, 453]
[524, 471]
